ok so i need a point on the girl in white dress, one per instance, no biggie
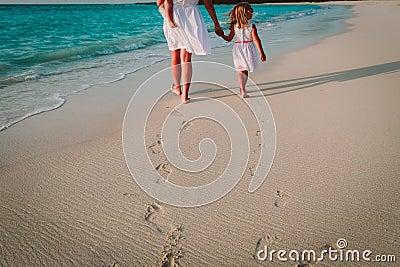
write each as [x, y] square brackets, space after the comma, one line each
[186, 33]
[246, 40]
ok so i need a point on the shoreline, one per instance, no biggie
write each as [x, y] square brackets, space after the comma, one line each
[67, 196]
[154, 3]
[62, 98]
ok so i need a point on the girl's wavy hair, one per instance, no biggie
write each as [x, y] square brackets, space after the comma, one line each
[238, 15]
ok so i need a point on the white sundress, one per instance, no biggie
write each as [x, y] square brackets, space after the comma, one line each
[244, 51]
[191, 31]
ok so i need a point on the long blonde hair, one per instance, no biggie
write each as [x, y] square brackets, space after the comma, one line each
[238, 15]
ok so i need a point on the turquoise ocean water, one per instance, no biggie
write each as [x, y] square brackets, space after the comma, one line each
[48, 52]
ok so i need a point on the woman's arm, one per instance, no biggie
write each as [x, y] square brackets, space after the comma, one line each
[257, 41]
[211, 11]
[230, 36]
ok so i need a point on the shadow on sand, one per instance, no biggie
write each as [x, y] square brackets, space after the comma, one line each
[312, 81]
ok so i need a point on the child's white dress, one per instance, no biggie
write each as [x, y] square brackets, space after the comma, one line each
[244, 51]
[191, 31]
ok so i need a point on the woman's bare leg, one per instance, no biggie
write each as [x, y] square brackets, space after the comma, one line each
[186, 74]
[176, 70]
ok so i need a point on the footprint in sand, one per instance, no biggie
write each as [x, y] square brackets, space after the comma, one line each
[281, 199]
[185, 125]
[156, 147]
[172, 251]
[303, 264]
[266, 240]
[153, 211]
[326, 247]
[177, 112]
[164, 170]
[251, 169]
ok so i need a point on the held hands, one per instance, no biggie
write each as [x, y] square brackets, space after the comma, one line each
[218, 30]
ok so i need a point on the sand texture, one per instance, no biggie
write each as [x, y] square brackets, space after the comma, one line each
[67, 197]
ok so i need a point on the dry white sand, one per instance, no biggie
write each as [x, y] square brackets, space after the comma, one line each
[67, 198]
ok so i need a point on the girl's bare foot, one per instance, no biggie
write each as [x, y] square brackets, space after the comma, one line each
[244, 95]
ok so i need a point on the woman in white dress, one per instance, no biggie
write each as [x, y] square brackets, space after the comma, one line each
[187, 35]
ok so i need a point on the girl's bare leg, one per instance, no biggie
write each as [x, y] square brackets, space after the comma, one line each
[176, 70]
[186, 74]
[242, 78]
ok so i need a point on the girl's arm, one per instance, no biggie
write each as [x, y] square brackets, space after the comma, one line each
[257, 41]
[168, 6]
[211, 11]
[169, 11]
[230, 36]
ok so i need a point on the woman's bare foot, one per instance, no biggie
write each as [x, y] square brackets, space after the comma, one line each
[185, 98]
[244, 95]
[176, 89]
